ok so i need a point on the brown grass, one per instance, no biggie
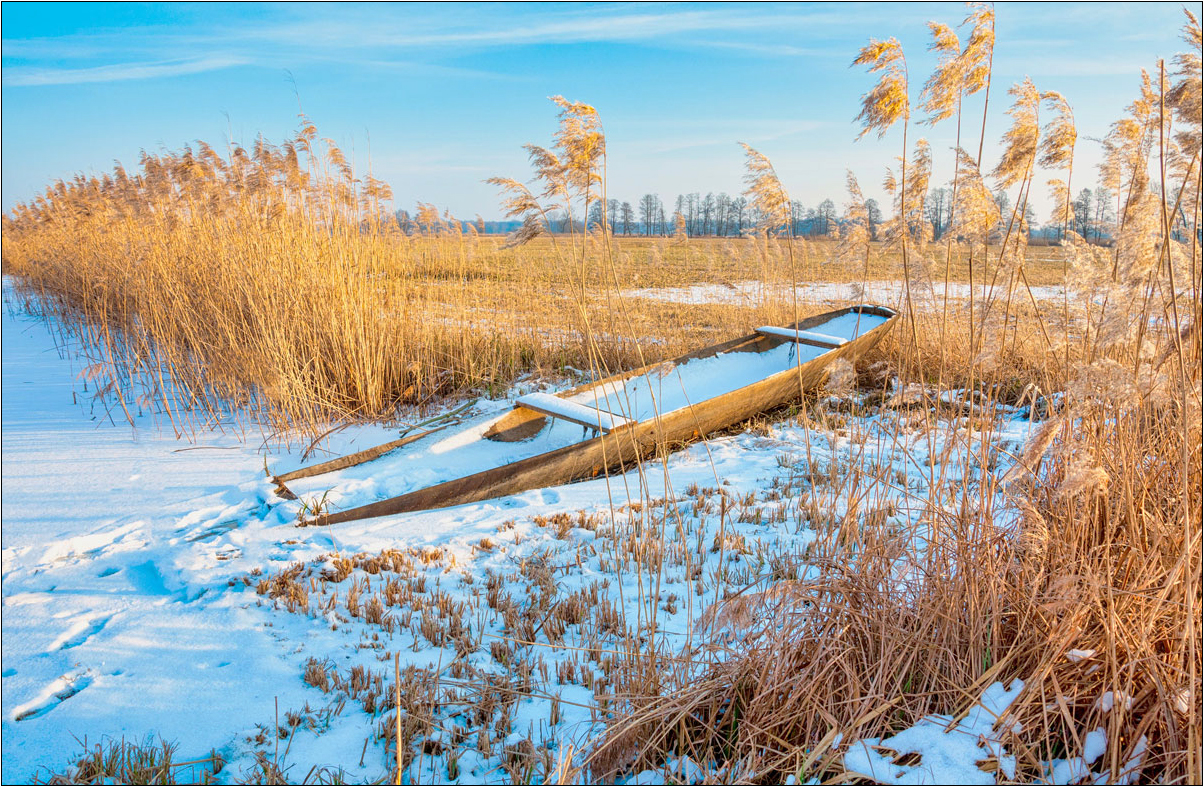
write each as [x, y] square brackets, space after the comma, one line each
[1096, 546]
[135, 762]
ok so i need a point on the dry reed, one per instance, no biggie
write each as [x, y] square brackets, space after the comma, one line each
[1083, 579]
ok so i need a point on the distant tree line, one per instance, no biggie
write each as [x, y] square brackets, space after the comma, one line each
[1093, 216]
[713, 215]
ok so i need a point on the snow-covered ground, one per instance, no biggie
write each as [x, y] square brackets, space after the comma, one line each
[116, 545]
[157, 586]
[886, 292]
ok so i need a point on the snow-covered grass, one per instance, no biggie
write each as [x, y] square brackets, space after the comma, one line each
[838, 582]
[159, 587]
[164, 590]
[155, 587]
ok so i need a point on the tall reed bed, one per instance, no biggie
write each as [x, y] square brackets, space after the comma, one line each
[266, 282]
[1077, 568]
[271, 283]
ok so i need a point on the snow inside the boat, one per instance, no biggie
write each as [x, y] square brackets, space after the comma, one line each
[453, 453]
[464, 450]
[666, 388]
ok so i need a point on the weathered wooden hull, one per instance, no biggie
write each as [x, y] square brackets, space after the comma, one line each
[619, 450]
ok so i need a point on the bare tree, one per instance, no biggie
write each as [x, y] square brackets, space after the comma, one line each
[597, 216]
[798, 215]
[612, 213]
[1081, 209]
[722, 206]
[873, 215]
[562, 221]
[648, 211]
[740, 213]
[937, 209]
[825, 217]
[1003, 201]
[1105, 215]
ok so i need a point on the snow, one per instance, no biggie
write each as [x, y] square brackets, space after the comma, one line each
[790, 333]
[953, 756]
[672, 387]
[132, 564]
[1110, 699]
[677, 770]
[944, 757]
[571, 411]
[886, 292]
[1077, 770]
[1094, 745]
[105, 556]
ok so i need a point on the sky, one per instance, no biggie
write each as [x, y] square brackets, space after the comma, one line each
[439, 97]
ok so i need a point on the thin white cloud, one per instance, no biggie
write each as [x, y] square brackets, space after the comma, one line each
[378, 36]
[595, 27]
[434, 69]
[769, 50]
[20, 76]
[77, 46]
[721, 136]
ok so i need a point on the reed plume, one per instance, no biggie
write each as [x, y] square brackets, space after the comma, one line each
[1057, 150]
[887, 102]
[679, 228]
[1184, 97]
[766, 195]
[942, 98]
[978, 59]
[1127, 147]
[582, 145]
[854, 230]
[976, 213]
[1059, 193]
[1021, 139]
[942, 94]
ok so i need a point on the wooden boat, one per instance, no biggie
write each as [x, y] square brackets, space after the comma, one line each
[626, 417]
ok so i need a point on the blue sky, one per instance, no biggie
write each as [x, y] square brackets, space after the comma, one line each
[442, 96]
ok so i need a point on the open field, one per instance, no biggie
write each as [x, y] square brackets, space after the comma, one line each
[974, 557]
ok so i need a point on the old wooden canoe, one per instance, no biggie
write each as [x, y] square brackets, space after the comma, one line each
[630, 416]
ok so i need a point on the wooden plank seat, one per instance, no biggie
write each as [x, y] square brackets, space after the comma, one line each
[592, 417]
[806, 337]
